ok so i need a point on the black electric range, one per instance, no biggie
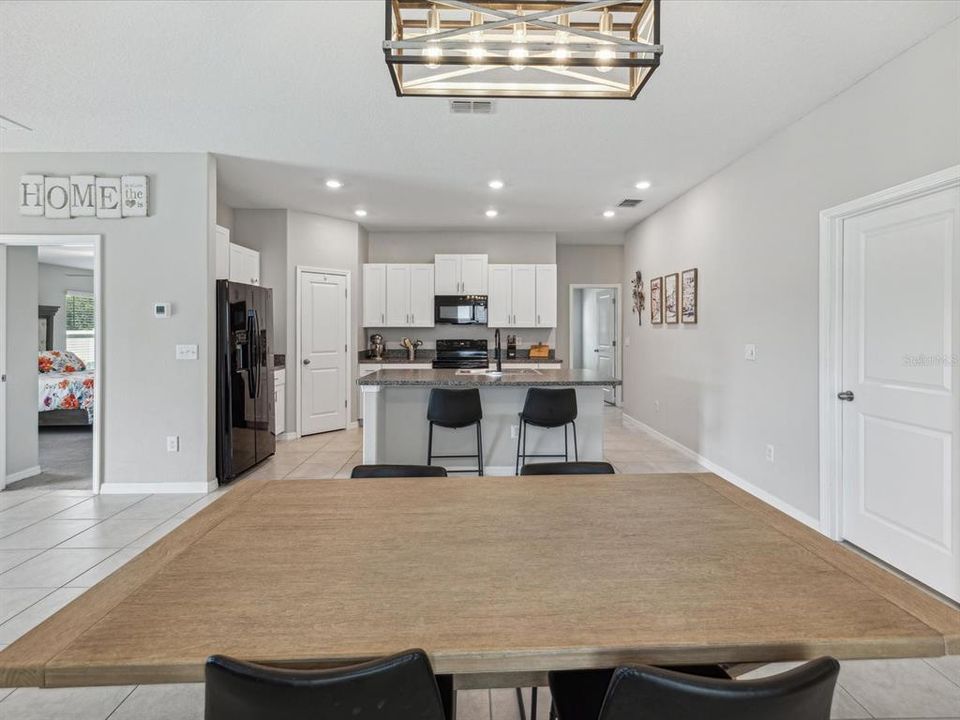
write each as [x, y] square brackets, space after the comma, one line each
[457, 354]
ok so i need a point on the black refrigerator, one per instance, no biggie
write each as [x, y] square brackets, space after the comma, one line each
[245, 401]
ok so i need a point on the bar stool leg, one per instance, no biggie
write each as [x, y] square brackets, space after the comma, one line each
[430, 446]
[566, 455]
[576, 451]
[523, 430]
[479, 449]
[523, 712]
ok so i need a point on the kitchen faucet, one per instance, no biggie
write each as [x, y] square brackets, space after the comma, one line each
[496, 344]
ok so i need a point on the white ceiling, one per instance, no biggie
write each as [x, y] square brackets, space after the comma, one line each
[290, 93]
[73, 256]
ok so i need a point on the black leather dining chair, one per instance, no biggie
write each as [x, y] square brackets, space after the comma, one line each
[568, 468]
[399, 687]
[396, 471]
[649, 693]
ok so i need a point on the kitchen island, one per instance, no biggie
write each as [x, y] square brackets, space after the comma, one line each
[395, 424]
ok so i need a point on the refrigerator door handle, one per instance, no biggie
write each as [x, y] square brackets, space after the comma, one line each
[252, 375]
[256, 347]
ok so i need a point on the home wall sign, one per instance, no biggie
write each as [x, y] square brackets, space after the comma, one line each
[83, 196]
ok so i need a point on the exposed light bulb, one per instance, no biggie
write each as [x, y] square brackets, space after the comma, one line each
[608, 213]
[495, 184]
[606, 54]
[433, 52]
[360, 212]
[334, 184]
[519, 54]
[643, 185]
[562, 52]
[491, 213]
[477, 52]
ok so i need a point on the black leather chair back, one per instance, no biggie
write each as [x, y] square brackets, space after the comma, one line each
[545, 407]
[391, 471]
[400, 687]
[454, 408]
[646, 693]
[568, 468]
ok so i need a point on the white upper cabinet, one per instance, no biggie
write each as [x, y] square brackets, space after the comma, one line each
[398, 295]
[522, 296]
[546, 296]
[223, 253]
[374, 295]
[244, 265]
[460, 274]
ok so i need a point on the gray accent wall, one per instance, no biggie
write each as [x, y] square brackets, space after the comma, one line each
[22, 345]
[147, 394]
[753, 231]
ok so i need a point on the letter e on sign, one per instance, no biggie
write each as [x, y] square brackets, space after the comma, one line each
[56, 195]
[83, 200]
[108, 197]
[30, 194]
[134, 195]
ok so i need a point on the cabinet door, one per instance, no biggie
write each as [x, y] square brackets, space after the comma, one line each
[251, 266]
[447, 274]
[280, 409]
[236, 264]
[223, 253]
[374, 295]
[421, 295]
[473, 274]
[499, 296]
[524, 295]
[398, 295]
[546, 296]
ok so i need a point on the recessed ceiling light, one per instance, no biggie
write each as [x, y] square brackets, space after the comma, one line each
[496, 184]
[643, 185]
[334, 184]
[360, 212]
[491, 213]
[608, 213]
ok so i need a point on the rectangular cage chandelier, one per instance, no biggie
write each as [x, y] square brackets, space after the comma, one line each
[533, 49]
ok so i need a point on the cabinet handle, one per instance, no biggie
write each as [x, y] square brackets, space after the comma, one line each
[381, 318]
[538, 319]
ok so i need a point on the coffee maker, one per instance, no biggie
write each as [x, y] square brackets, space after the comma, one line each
[375, 352]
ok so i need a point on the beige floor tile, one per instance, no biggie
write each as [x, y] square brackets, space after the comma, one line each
[635, 468]
[11, 558]
[94, 703]
[15, 600]
[100, 507]
[53, 568]
[948, 666]
[846, 708]
[473, 705]
[36, 614]
[103, 569]
[905, 688]
[45, 534]
[116, 532]
[331, 457]
[162, 702]
[316, 471]
[157, 533]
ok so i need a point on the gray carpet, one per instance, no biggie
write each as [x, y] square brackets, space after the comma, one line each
[66, 456]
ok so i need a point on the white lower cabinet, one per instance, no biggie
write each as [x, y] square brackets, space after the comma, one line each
[280, 401]
[364, 369]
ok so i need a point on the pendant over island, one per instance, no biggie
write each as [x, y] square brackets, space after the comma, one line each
[395, 426]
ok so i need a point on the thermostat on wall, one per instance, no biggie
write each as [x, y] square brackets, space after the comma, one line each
[161, 310]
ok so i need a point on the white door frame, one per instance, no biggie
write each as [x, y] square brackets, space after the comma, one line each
[68, 239]
[618, 321]
[351, 360]
[831, 331]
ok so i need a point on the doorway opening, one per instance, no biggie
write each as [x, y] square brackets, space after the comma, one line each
[325, 357]
[595, 333]
[50, 350]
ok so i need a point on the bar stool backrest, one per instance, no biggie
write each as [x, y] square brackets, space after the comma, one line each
[546, 407]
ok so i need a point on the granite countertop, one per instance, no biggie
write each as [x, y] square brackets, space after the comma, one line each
[513, 378]
[427, 356]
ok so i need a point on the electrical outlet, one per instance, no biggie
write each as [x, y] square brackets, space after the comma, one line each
[514, 432]
[656, 405]
[750, 352]
[769, 453]
[173, 443]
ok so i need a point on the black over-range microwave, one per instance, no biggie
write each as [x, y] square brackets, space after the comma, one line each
[460, 310]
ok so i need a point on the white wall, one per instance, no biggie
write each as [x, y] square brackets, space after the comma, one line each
[146, 393]
[752, 230]
[501, 247]
[582, 264]
[266, 232]
[22, 345]
[54, 282]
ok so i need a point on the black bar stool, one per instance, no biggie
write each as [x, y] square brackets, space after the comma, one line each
[548, 409]
[455, 409]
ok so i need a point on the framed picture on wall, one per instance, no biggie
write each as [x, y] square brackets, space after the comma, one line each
[671, 309]
[688, 296]
[656, 300]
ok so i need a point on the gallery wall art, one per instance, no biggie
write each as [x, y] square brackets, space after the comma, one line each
[688, 296]
[639, 300]
[671, 309]
[656, 300]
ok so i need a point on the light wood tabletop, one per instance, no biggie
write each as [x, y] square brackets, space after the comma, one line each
[491, 576]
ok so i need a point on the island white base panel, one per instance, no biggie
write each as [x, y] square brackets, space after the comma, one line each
[395, 429]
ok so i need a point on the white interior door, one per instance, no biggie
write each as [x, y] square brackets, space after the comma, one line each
[323, 348]
[606, 340]
[3, 366]
[901, 480]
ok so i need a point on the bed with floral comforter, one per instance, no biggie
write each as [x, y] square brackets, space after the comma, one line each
[65, 383]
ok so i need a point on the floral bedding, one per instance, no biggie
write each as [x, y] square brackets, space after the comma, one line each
[67, 391]
[59, 362]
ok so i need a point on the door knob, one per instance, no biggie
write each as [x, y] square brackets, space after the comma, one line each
[845, 395]
[596, 350]
[306, 361]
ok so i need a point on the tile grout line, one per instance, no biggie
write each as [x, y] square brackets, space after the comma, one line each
[125, 698]
[930, 664]
[48, 517]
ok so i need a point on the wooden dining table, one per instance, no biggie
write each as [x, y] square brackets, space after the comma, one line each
[499, 579]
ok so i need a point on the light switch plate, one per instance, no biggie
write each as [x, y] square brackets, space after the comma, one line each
[750, 352]
[173, 443]
[187, 352]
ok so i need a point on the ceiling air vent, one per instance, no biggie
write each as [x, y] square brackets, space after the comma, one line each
[629, 202]
[471, 107]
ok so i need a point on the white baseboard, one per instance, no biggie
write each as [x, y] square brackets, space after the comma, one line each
[353, 425]
[727, 475]
[200, 487]
[289, 436]
[24, 474]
